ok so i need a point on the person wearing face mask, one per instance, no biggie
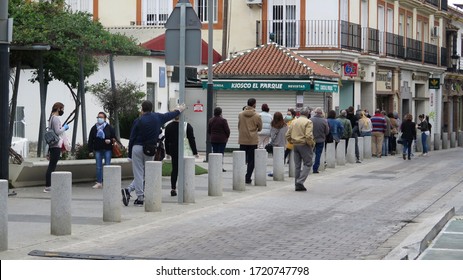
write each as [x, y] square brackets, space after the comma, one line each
[100, 145]
[290, 116]
[54, 151]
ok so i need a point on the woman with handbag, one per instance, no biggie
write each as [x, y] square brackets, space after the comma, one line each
[277, 132]
[101, 139]
[54, 151]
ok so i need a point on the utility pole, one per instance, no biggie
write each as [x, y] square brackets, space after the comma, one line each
[210, 85]
[5, 38]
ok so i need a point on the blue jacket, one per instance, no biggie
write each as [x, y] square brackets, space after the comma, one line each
[147, 127]
[336, 129]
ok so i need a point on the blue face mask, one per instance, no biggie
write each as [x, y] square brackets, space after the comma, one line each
[100, 120]
[288, 118]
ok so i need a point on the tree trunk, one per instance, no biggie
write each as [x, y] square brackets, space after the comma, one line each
[14, 101]
[82, 95]
[43, 100]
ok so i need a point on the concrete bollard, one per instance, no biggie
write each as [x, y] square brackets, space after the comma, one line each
[445, 141]
[189, 184]
[437, 141]
[215, 175]
[153, 186]
[112, 193]
[260, 167]
[341, 152]
[239, 170]
[322, 160]
[362, 147]
[3, 215]
[330, 155]
[453, 139]
[278, 163]
[367, 147]
[419, 145]
[61, 200]
[350, 155]
[460, 138]
[292, 167]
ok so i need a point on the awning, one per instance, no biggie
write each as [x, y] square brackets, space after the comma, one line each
[260, 85]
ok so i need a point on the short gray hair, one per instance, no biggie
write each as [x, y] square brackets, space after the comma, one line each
[344, 113]
[305, 111]
[318, 111]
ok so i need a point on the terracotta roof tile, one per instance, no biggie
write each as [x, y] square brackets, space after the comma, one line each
[270, 60]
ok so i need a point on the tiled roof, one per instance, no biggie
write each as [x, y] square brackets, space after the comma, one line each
[270, 60]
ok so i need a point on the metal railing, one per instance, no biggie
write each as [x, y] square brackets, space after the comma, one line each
[430, 53]
[322, 33]
[395, 46]
[351, 36]
[433, 2]
[414, 50]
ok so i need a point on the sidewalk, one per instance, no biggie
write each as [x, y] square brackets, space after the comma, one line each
[29, 211]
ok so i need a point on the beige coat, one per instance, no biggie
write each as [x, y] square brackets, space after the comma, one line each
[249, 124]
[300, 132]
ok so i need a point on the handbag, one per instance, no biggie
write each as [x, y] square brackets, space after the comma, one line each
[269, 148]
[329, 138]
[160, 153]
[149, 148]
[187, 152]
[400, 140]
[117, 152]
[50, 136]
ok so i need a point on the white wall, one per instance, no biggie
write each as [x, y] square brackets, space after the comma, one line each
[322, 10]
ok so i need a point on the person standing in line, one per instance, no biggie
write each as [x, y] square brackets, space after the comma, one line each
[278, 132]
[249, 124]
[394, 132]
[353, 118]
[379, 124]
[300, 134]
[54, 151]
[347, 132]
[424, 127]
[264, 134]
[319, 130]
[408, 129]
[172, 149]
[144, 129]
[100, 144]
[387, 135]
[336, 127]
[219, 132]
[290, 116]
[365, 126]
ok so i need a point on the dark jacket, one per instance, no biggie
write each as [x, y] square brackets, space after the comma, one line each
[218, 130]
[171, 133]
[147, 126]
[423, 126]
[408, 129]
[98, 144]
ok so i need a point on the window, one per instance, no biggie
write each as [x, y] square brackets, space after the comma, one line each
[284, 26]
[409, 27]
[418, 30]
[81, 5]
[19, 128]
[151, 93]
[156, 12]
[401, 25]
[201, 10]
[149, 69]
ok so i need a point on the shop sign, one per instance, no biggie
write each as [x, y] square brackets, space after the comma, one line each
[198, 107]
[248, 85]
[434, 83]
[350, 69]
[325, 87]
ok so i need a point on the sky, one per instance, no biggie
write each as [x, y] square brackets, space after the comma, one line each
[450, 2]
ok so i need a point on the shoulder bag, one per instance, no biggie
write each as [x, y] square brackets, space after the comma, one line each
[50, 136]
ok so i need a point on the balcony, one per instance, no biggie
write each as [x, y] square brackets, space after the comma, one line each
[433, 2]
[343, 35]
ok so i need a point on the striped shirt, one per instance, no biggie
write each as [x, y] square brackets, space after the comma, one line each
[379, 123]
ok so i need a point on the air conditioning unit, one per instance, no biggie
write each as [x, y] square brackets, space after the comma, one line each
[435, 31]
[253, 2]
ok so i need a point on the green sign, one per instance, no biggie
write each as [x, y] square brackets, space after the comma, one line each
[434, 83]
[248, 85]
[325, 87]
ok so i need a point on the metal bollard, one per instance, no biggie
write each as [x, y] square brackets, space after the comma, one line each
[292, 167]
[239, 170]
[215, 175]
[3, 215]
[112, 193]
[189, 173]
[460, 139]
[367, 147]
[153, 186]
[278, 163]
[330, 155]
[445, 140]
[437, 141]
[260, 167]
[362, 147]
[341, 152]
[453, 139]
[61, 200]
[350, 155]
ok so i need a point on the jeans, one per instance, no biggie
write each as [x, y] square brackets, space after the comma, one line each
[99, 155]
[54, 157]
[218, 148]
[249, 149]
[407, 143]
[424, 141]
[385, 146]
[392, 144]
[318, 154]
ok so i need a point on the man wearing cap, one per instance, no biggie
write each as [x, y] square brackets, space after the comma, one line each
[300, 134]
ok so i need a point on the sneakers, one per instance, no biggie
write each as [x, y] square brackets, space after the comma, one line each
[138, 202]
[125, 196]
[248, 182]
[173, 192]
[97, 186]
[300, 188]
[315, 171]
[47, 189]
[358, 161]
[425, 154]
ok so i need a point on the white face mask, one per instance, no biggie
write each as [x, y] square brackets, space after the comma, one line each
[100, 120]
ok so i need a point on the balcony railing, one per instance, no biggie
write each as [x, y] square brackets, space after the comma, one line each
[433, 2]
[334, 34]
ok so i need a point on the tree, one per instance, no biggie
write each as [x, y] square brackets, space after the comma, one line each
[125, 101]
